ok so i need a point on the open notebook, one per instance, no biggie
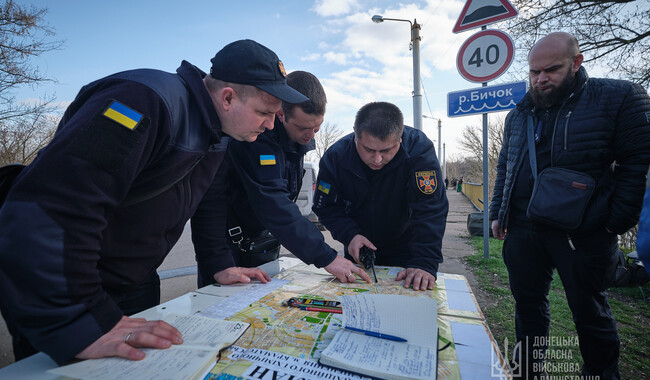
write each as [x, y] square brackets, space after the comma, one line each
[203, 338]
[411, 318]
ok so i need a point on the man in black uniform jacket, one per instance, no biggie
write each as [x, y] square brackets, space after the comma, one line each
[264, 179]
[87, 223]
[379, 187]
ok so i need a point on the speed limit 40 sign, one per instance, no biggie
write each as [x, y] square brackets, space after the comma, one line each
[485, 55]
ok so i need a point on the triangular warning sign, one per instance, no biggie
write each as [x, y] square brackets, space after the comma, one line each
[477, 13]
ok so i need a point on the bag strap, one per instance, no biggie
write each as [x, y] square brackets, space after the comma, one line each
[235, 232]
[532, 156]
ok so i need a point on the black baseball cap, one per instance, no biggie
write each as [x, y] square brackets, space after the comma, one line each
[248, 62]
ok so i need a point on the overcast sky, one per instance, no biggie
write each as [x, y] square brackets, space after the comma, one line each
[357, 60]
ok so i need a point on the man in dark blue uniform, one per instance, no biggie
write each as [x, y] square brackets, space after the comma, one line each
[88, 222]
[264, 180]
[379, 188]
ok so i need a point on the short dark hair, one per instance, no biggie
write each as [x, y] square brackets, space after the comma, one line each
[380, 119]
[308, 85]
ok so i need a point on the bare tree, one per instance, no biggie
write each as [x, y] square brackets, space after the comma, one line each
[616, 33]
[24, 136]
[326, 137]
[23, 36]
[467, 167]
[471, 142]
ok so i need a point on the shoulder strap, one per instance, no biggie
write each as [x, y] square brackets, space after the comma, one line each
[532, 156]
[235, 232]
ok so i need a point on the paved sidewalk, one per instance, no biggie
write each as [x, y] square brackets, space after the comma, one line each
[454, 244]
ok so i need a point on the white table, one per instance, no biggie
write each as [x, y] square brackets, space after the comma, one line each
[477, 352]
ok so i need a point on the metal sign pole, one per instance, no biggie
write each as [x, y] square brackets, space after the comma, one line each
[486, 184]
[486, 232]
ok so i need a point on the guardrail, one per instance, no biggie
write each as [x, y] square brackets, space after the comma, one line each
[474, 192]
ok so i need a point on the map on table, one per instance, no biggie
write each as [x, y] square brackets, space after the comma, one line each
[285, 341]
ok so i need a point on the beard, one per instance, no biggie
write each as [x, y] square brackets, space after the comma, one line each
[556, 95]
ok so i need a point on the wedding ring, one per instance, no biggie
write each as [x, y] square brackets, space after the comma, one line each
[126, 340]
[349, 275]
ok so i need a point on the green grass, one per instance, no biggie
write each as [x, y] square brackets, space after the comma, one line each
[632, 314]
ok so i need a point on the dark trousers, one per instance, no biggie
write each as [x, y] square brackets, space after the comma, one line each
[130, 301]
[531, 256]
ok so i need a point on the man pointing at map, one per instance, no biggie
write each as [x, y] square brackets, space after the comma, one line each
[379, 188]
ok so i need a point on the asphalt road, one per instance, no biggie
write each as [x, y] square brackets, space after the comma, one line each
[178, 271]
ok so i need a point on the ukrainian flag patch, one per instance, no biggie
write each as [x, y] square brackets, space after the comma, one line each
[123, 115]
[267, 159]
[324, 187]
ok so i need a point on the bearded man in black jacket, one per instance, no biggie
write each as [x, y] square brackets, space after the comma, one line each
[599, 127]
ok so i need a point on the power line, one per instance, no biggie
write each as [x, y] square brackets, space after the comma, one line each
[426, 97]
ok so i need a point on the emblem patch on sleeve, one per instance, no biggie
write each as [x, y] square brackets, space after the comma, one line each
[324, 187]
[267, 159]
[123, 115]
[426, 182]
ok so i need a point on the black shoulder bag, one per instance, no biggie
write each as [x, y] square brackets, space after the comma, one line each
[560, 196]
[255, 249]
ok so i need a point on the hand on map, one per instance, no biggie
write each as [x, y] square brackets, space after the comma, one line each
[239, 274]
[129, 333]
[355, 245]
[344, 270]
[420, 279]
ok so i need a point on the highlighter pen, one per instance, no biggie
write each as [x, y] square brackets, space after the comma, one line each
[324, 309]
[315, 302]
[294, 303]
[376, 334]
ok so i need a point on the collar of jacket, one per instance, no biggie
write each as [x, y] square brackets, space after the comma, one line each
[279, 133]
[352, 162]
[193, 76]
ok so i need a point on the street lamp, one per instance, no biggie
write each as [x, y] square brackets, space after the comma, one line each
[415, 40]
[439, 131]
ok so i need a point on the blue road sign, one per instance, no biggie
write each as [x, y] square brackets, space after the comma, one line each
[485, 99]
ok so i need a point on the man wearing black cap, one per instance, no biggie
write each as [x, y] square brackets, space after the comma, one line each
[264, 180]
[88, 222]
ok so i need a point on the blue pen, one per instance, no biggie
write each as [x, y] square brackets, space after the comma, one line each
[376, 334]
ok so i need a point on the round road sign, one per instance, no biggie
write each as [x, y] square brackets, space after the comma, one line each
[485, 55]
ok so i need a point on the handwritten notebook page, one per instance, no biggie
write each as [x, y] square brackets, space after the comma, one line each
[380, 357]
[411, 318]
